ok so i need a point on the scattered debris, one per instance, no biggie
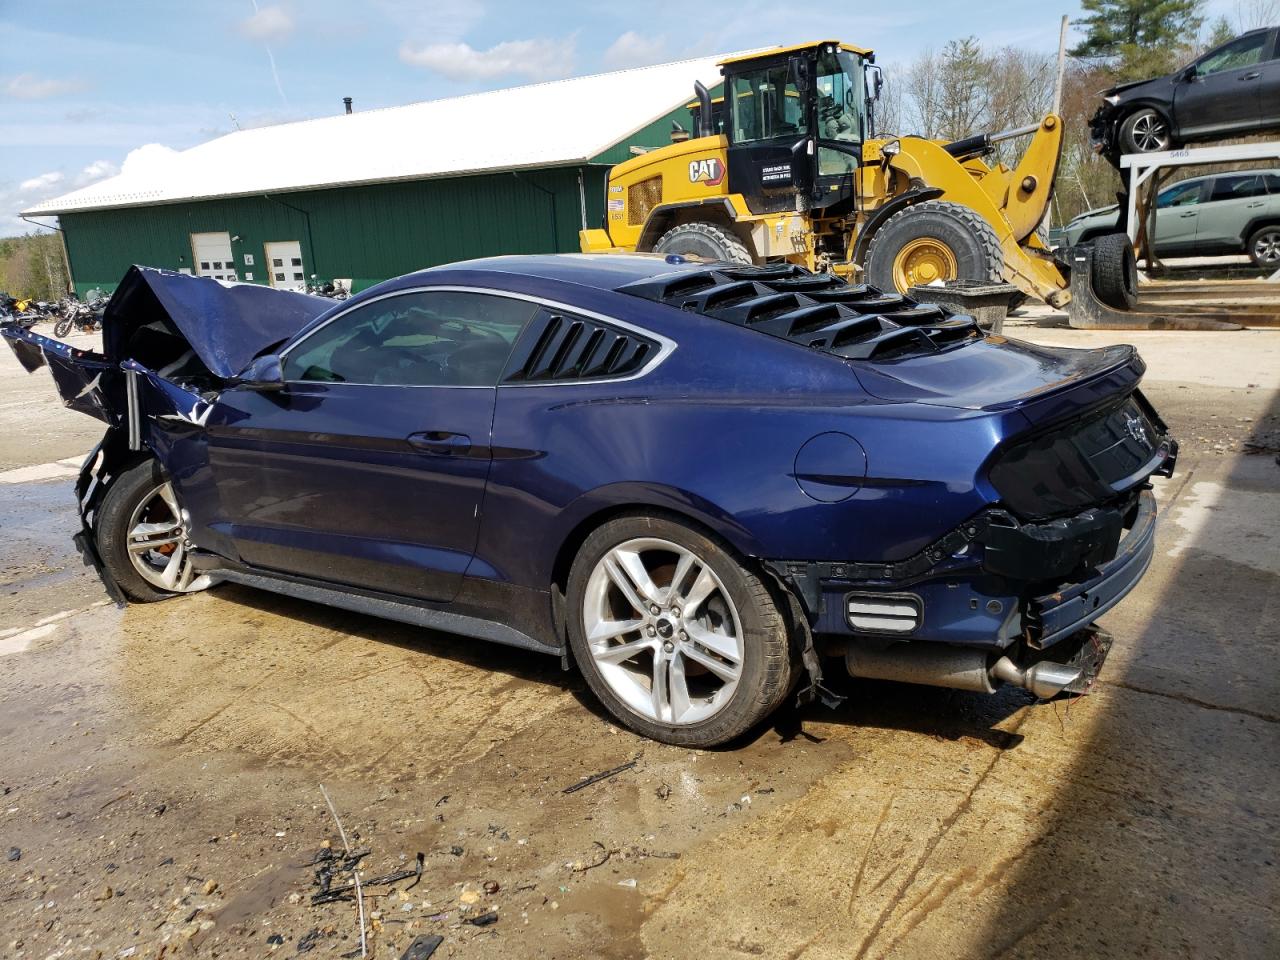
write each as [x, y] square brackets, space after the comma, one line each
[629, 882]
[209, 887]
[355, 876]
[443, 800]
[483, 920]
[158, 810]
[106, 893]
[602, 857]
[456, 850]
[491, 887]
[663, 791]
[597, 777]
[275, 939]
[62, 814]
[14, 854]
[167, 862]
[423, 947]
[309, 940]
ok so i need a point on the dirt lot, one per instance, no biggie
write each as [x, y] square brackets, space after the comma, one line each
[161, 765]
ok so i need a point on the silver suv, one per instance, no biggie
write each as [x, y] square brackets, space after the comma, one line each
[1226, 213]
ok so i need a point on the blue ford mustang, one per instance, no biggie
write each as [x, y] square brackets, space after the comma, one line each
[687, 478]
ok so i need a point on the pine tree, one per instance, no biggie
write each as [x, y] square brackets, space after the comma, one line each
[1139, 35]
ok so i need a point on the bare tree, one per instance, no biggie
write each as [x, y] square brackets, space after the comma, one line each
[1251, 14]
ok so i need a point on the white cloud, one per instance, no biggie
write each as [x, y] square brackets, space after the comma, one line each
[28, 86]
[267, 24]
[148, 160]
[41, 182]
[537, 59]
[98, 170]
[635, 50]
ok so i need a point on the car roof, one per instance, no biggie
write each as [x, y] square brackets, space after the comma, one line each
[603, 271]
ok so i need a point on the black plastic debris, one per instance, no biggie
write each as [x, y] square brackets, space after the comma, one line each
[310, 940]
[14, 854]
[275, 939]
[483, 920]
[423, 947]
[597, 777]
[456, 850]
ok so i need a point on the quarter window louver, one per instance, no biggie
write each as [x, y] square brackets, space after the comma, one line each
[817, 310]
[562, 347]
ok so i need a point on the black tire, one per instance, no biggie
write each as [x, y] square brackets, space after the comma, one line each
[1145, 131]
[769, 662]
[1115, 271]
[971, 240]
[111, 530]
[707, 240]
[1264, 246]
[62, 327]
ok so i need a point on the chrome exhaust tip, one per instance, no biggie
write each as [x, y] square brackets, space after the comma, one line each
[958, 668]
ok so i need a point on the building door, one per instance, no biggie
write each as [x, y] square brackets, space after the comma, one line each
[211, 254]
[284, 266]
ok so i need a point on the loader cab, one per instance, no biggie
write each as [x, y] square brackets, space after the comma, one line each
[796, 119]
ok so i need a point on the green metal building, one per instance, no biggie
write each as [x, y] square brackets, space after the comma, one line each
[365, 196]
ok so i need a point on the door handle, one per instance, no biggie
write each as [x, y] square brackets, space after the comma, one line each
[440, 442]
[1256, 203]
[1251, 76]
[1189, 213]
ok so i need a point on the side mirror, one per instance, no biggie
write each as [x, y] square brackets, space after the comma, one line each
[798, 69]
[874, 79]
[1189, 74]
[263, 373]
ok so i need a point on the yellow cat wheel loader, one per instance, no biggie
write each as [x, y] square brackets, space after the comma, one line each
[787, 166]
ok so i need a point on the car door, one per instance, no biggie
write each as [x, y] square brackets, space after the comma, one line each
[1224, 90]
[1234, 200]
[1177, 210]
[1269, 87]
[368, 467]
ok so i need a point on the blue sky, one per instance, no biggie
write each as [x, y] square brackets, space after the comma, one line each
[82, 84]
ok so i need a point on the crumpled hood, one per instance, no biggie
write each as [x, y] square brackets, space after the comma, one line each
[226, 324]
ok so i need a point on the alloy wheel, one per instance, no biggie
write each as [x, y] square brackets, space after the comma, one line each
[1266, 248]
[663, 631]
[1150, 133]
[158, 543]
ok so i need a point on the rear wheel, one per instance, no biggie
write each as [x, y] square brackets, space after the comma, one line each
[1264, 246]
[933, 241]
[680, 640]
[1115, 271]
[707, 240]
[1145, 131]
[142, 536]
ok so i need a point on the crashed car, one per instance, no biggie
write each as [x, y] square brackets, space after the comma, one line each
[1232, 90]
[688, 479]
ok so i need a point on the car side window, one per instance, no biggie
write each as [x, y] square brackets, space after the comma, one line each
[428, 338]
[1180, 195]
[1244, 52]
[1236, 188]
[1273, 184]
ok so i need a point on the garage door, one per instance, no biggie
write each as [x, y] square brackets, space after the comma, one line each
[284, 265]
[212, 255]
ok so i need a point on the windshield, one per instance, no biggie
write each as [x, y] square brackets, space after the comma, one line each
[842, 109]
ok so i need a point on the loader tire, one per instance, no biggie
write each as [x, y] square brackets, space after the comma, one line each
[708, 240]
[1115, 271]
[933, 240]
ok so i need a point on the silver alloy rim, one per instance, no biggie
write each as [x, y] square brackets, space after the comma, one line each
[159, 547]
[663, 631]
[1266, 249]
[1150, 133]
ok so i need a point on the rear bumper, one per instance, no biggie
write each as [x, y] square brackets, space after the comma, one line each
[987, 584]
[1053, 616]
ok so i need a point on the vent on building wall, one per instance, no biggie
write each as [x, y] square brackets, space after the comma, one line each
[561, 346]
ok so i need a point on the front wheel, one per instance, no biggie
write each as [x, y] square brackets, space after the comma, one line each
[1145, 131]
[62, 327]
[934, 241]
[676, 636]
[142, 536]
[1264, 247]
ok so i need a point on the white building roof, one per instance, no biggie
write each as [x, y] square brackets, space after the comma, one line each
[561, 122]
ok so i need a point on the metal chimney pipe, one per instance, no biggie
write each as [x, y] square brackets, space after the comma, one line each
[346, 102]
